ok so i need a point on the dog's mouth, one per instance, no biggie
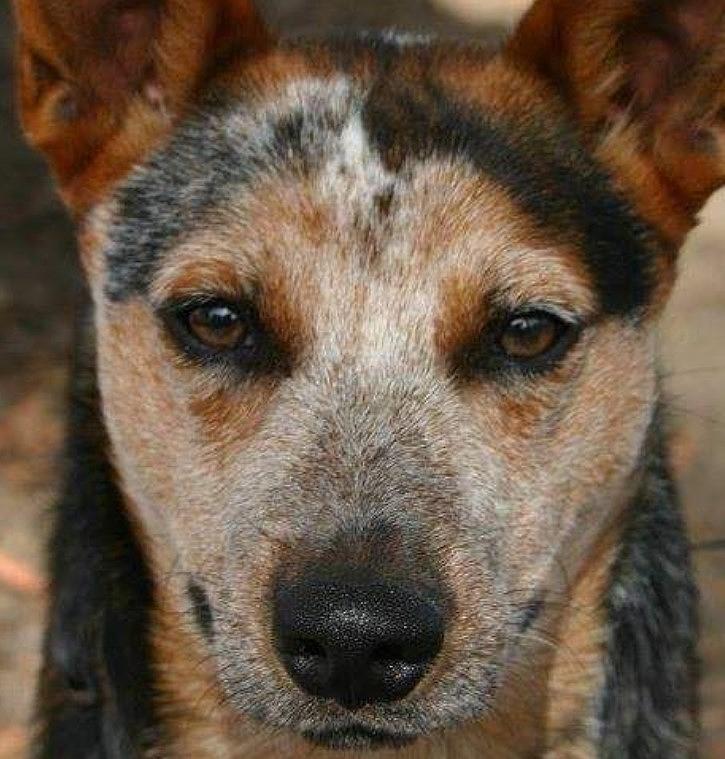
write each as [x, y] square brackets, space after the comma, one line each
[357, 738]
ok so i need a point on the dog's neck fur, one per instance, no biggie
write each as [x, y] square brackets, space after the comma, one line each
[634, 657]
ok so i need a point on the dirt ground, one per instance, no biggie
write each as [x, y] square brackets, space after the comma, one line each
[38, 281]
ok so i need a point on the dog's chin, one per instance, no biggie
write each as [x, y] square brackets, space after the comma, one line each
[357, 738]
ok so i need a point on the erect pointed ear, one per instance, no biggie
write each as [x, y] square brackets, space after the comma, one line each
[646, 82]
[102, 81]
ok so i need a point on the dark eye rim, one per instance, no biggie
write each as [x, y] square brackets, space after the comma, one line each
[566, 331]
[258, 351]
[176, 315]
[488, 357]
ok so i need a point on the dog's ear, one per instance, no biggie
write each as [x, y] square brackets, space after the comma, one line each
[646, 82]
[102, 81]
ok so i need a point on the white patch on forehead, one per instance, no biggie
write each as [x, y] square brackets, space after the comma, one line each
[315, 94]
[400, 39]
[353, 141]
[327, 132]
[353, 175]
[350, 170]
[347, 171]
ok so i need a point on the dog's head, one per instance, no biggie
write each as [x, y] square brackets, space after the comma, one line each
[375, 324]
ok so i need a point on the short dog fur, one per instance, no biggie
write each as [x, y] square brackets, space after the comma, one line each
[374, 315]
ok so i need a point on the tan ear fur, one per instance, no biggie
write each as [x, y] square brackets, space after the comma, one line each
[646, 80]
[100, 82]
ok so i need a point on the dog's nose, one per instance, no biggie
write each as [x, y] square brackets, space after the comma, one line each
[357, 644]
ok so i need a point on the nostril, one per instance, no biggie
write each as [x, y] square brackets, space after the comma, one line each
[389, 654]
[303, 648]
[306, 661]
[398, 653]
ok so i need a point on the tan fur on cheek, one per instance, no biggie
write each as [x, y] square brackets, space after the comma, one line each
[144, 415]
[577, 672]
[92, 234]
[226, 419]
[190, 702]
[585, 462]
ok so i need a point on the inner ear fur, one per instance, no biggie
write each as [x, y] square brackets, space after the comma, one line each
[645, 80]
[100, 82]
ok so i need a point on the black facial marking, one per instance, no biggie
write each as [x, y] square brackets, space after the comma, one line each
[384, 202]
[289, 137]
[530, 614]
[544, 168]
[202, 609]
[168, 197]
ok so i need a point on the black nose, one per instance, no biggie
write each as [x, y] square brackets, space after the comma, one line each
[356, 643]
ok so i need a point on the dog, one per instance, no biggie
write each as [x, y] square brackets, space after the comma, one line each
[366, 449]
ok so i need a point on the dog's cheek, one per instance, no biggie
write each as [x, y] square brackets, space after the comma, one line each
[143, 413]
[179, 441]
[586, 459]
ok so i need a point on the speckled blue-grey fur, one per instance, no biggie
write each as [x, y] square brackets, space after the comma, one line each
[217, 152]
[649, 705]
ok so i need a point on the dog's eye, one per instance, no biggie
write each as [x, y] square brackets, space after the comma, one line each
[216, 331]
[213, 328]
[533, 336]
[529, 341]
[218, 326]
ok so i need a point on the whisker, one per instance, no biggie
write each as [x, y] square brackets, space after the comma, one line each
[707, 418]
[709, 545]
[695, 370]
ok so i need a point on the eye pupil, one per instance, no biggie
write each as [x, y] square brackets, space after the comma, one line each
[529, 336]
[220, 317]
[217, 326]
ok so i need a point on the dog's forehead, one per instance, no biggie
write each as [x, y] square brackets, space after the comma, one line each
[367, 147]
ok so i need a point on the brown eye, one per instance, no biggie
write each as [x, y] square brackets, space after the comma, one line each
[530, 336]
[215, 332]
[218, 326]
[526, 342]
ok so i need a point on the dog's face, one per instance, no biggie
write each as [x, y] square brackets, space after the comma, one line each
[358, 346]
[375, 332]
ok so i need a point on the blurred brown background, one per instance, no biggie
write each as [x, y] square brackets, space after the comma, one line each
[38, 281]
